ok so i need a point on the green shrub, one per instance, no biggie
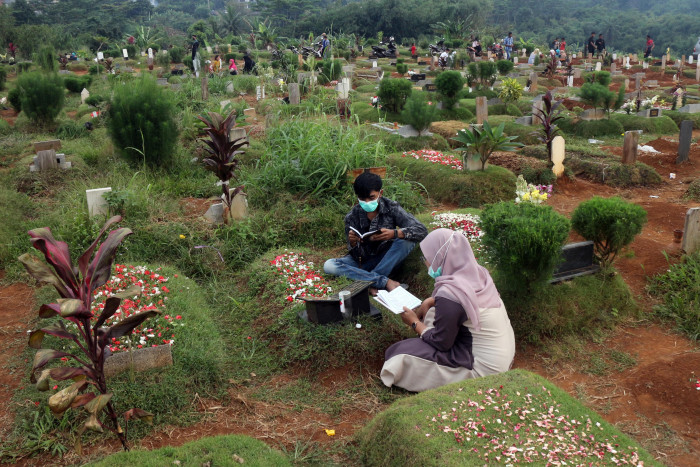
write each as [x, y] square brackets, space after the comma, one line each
[77, 66]
[466, 189]
[42, 96]
[176, 54]
[418, 113]
[511, 90]
[679, 289]
[538, 175]
[3, 77]
[596, 94]
[141, 122]
[23, 67]
[449, 84]
[330, 71]
[505, 66]
[591, 128]
[393, 93]
[658, 125]
[611, 223]
[678, 117]
[14, 97]
[70, 130]
[96, 69]
[600, 77]
[455, 113]
[131, 50]
[402, 68]
[162, 59]
[5, 127]
[95, 100]
[155, 47]
[503, 109]
[188, 62]
[524, 242]
[693, 191]
[77, 84]
[610, 171]
[216, 450]
[47, 59]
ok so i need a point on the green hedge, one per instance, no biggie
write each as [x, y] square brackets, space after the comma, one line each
[411, 431]
[610, 171]
[591, 128]
[466, 189]
[678, 117]
[217, 450]
[659, 125]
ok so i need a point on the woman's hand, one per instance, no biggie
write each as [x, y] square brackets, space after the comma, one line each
[408, 316]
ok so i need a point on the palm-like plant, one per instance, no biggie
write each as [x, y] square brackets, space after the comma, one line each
[222, 152]
[547, 116]
[482, 142]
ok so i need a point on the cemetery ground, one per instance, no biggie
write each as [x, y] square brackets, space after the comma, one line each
[244, 364]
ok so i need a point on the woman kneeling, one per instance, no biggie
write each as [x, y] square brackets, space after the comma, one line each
[464, 328]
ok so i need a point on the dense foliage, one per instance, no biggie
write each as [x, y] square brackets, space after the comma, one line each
[611, 223]
[419, 112]
[393, 93]
[41, 95]
[448, 84]
[141, 122]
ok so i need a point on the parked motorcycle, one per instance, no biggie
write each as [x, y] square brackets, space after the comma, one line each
[381, 52]
[306, 51]
[437, 49]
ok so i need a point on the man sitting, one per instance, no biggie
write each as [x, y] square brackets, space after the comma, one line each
[373, 258]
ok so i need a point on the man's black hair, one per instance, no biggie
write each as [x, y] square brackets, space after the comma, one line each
[592, 34]
[366, 183]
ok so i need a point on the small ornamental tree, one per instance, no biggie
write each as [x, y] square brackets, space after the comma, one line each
[393, 93]
[222, 153]
[511, 90]
[76, 283]
[419, 113]
[547, 116]
[41, 95]
[611, 223]
[448, 84]
[484, 141]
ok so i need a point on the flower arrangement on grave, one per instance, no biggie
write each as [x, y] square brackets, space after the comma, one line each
[629, 106]
[300, 277]
[435, 157]
[466, 224]
[154, 295]
[507, 427]
[529, 193]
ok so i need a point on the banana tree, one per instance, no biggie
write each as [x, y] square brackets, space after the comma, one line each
[480, 143]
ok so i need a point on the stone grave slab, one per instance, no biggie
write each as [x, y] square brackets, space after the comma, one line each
[294, 93]
[593, 114]
[97, 205]
[690, 108]
[145, 359]
[54, 144]
[237, 133]
[649, 113]
[577, 261]
[481, 110]
[684, 141]
[691, 231]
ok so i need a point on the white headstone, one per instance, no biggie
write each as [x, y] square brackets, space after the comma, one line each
[614, 56]
[229, 87]
[125, 53]
[150, 52]
[100, 56]
[598, 66]
[84, 94]
[515, 60]
[374, 64]
[209, 49]
[558, 154]
[570, 81]
[690, 59]
[96, 203]
[258, 92]
[165, 52]
[645, 65]
[627, 62]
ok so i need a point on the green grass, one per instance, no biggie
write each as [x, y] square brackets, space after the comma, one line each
[662, 125]
[679, 290]
[217, 450]
[433, 428]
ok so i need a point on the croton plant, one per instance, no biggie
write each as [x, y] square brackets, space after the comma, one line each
[75, 285]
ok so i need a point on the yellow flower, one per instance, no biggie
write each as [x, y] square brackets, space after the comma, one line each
[330, 432]
[526, 196]
[182, 237]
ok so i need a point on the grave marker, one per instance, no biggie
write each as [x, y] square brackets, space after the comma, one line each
[205, 87]
[697, 72]
[125, 54]
[294, 93]
[515, 60]
[614, 56]
[533, 82]
[482, 112]
[84, 94]
[637, 82]
[97, 205]
[629, 149]
[691, 235]
[627, 83]
[690, 60]
[147, 358]
[100, 56]
[598, 66]
[54, 144]
[613, 68]
[684, 141]
[645, 65]
[558, 155]
[663, 63]
[229, 87]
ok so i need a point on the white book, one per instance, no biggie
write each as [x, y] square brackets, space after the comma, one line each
[397, 299]
[366, 234]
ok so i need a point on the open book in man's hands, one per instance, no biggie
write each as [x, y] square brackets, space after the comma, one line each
[397, 299]
[366, 234]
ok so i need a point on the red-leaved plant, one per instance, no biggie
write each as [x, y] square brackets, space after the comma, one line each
[76, 284]
[222, 152]
[547, 116]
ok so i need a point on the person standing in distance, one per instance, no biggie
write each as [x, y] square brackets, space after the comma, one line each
[508, 44]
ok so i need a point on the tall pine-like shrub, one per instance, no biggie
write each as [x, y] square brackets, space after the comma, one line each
[41, 96]
[141, 122]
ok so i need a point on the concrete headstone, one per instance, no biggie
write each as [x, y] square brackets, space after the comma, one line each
[598, 66]
[125, 53]
[147, 358]
[100, 55]
[97, 205]
[684, 141]
[533, 81]
[645, 65]
[84, 94]
[229, 87]
[690, 108]
[482, 112]
[613, 67]
[46, 160]
[691, 234]
[690, 60]
[629, 149]
[558, 155]
[663, 62]
[294, 93]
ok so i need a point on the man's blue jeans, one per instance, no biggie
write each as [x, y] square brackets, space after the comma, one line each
[375, 269]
